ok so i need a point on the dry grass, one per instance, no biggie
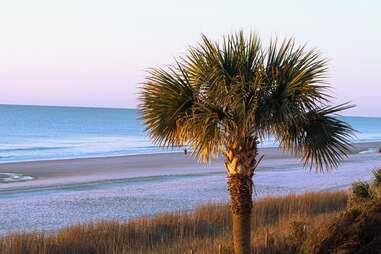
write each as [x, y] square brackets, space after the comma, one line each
[280, 225]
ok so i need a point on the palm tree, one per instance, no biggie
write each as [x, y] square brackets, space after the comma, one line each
[226, 97]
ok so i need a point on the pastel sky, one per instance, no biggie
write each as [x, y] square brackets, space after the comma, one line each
[95, 53]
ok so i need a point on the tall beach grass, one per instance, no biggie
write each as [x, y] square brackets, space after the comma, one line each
[207, 229]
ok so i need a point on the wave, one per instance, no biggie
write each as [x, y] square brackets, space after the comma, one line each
[36, 148]
[13, 177]
[369, 150]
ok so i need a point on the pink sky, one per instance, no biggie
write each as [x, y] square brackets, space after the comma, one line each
[94, 53]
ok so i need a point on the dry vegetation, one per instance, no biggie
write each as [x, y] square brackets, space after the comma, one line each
[280, 225]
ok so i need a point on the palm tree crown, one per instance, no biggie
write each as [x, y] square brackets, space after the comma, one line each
[236, 93]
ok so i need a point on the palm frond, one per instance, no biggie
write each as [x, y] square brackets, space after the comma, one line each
[293, 82]
[235, 90]
[167, 99]
[318, 136]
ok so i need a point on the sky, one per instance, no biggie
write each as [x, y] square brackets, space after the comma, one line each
[96, 53]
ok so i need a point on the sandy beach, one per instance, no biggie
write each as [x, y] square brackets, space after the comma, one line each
[63, 192]
[85, 170]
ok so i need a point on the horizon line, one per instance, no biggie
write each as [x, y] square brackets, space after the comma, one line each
[111, 107]
[63, 106]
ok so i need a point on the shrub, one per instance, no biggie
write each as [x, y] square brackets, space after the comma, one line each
[354, 233]
[361, 190]
[377, 177]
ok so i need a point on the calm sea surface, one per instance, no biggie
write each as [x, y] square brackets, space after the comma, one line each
[30, 133]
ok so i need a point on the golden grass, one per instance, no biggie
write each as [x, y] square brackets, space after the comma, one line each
[278, 224]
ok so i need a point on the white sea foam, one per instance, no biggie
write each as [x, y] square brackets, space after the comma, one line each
[13, 177]
[369, 150]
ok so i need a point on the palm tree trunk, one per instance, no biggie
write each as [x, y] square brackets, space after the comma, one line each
[240, 163]
[240, 188]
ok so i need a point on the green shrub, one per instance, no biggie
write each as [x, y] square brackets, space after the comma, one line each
[377, 177]
[355, 212]
[361, 190]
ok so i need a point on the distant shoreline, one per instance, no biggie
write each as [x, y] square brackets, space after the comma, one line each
[91, 157]
[357, 145]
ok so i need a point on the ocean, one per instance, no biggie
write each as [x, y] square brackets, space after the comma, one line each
[30, 133]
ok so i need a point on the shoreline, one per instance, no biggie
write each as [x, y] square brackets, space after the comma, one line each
[75, 171]
[90, 157]
[358, 145]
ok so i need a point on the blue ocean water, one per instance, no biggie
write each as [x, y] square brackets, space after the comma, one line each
[39, 133]
[30, 133]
